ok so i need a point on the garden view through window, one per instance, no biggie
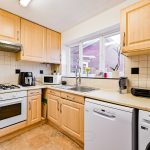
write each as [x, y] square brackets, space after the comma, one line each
[99, 55]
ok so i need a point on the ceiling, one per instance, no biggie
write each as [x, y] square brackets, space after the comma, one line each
[59, 15]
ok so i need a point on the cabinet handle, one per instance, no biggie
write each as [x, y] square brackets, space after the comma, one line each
[124, 43]
[60, 108]
[52, 93]
[29, 105]
[17, 35]
[71, 98]
[58, 105]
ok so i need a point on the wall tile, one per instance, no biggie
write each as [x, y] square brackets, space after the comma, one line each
[143, 71]
[143, 79]
[8, 64]
[143, 64]
[143, 57]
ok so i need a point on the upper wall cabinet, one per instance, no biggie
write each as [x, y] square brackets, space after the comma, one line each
[33, 40]
[53, 52]
[9, 27]
[135, 29]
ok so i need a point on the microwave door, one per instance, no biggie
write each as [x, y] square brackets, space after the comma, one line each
[48, 80]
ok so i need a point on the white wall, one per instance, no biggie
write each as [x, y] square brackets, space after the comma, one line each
[93, 25]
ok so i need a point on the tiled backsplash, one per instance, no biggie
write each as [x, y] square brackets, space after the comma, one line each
[141, 80]
[8, 64]
[107, 84]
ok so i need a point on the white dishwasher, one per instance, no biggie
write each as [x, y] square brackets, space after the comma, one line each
[108, 126]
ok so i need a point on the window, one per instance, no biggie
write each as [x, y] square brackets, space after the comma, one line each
[91, 55]
[113, 58]
[74, 58]
[101, 54]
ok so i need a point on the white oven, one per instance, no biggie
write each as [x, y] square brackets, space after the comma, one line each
[13, 108]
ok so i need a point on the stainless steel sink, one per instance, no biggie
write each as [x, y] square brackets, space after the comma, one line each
[82, 89]
[75, 88]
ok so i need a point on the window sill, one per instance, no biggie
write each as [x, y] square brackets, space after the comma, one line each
[91, 77]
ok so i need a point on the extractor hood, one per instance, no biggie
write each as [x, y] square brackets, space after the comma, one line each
[10, 46]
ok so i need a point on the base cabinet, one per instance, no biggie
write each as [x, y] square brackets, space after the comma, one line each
[34, 107]
[72, 118]
[67, 115]
[53, 109]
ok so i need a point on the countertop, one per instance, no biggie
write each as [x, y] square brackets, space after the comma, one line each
[114, 97]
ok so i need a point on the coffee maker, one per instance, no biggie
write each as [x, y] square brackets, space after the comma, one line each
[26, 79]
[123, 85]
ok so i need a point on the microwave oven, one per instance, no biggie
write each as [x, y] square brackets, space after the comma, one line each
[52, 79]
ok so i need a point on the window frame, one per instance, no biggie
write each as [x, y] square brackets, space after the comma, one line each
[101, 53]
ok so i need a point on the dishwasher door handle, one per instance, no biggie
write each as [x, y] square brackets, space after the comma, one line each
[108, 115]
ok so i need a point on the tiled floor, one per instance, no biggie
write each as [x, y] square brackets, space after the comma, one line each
[44, 137]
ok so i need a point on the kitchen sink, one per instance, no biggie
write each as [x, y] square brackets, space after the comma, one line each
[82, 89]
[65, 87]
[75, 88]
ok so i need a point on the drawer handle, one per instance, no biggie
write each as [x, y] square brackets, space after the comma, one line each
[52, 93]
[72, 98]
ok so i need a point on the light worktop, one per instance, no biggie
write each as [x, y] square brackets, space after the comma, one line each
[102, 95]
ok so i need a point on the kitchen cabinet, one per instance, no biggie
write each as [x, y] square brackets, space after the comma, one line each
[34, 106]
[67, 113]
[72, 119]
[9, 27]
[53, 109]
[33, 40]
[135, 31]
[53, 50]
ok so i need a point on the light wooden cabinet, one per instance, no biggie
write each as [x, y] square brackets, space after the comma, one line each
[9, 27]
[135, 29]
[33, 39]
[53, 109]
[34, 106]
[67, 112]
[72, 119]
[53, 50]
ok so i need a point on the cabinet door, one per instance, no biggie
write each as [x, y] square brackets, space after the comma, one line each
[135, 27]
[72, 118]
[53, 47]
[53, 109]
[33, 39]
[9, 27]
[34, 109]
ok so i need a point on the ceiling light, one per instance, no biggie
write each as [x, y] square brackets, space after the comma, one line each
[24, 3]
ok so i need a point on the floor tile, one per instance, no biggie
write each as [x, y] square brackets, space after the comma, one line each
[44, 137]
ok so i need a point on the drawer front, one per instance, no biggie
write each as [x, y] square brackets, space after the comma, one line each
[34, 92]
[72, 97]
[53, 97]
[53, 92]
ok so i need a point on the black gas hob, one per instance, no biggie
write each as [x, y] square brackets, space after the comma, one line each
[8, 87]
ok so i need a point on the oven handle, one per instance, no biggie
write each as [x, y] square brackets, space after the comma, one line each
[9, 102]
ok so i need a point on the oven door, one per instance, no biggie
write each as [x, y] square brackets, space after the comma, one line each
[12, 111]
